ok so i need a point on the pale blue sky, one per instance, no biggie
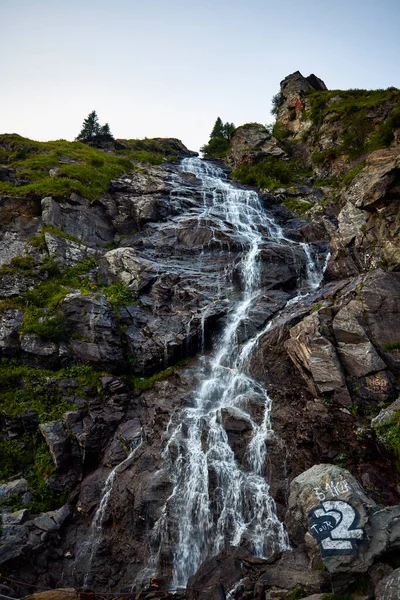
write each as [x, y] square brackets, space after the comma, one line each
[170, 67]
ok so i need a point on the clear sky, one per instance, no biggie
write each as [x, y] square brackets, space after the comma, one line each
[168, 68]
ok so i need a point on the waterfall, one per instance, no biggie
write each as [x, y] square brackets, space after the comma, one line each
[90, 547]
[217, 502]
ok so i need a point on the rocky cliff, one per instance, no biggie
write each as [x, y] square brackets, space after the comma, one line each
[117, 280]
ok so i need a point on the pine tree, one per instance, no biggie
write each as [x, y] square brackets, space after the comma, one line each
[90, 128]
[229, 129]
[218, 129]
[105, 133]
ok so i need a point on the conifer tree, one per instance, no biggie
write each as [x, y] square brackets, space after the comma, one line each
[90, 128]
[105, 132]
[218, 129]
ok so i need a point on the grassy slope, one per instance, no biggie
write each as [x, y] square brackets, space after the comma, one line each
[89, 172]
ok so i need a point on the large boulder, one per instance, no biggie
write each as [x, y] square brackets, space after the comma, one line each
[340, 524]
[252, 143]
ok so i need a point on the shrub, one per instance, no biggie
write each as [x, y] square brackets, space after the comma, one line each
[23, 263]
[47, 327]
[277, 101]
[267, 174]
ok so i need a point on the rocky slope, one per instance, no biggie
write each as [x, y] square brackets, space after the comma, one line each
[106, 287]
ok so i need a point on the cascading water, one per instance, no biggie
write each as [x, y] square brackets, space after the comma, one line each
[88, 551]
[216, 502]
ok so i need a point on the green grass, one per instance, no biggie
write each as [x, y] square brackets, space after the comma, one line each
[297, 206]
[352, 173]
[118, 294]
[51, 327]
[389, 434]
[270, 173]
[145, 383]
[32, 161]
[23, 387]
[30, 454]
[355, 110]
[392, 345]
[90, 176]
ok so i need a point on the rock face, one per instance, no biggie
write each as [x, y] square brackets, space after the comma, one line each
[293, 90]
[105, 299]
[251, 143]
[369, 221]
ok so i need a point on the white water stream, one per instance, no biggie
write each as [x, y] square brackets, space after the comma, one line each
[216, 502]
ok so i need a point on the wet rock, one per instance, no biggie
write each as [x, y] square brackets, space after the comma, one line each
[292, 571]
[239, 429]
[225, 569]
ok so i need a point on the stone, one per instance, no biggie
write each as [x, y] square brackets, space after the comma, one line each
[93, 320]
[252, 143]
[292, 571]
[389, 587]
[11, 319]
[46, 523]
[332, 514]
[360, 359]
[58, 442]
[32, 344]
[56, 594]
[124, 264]
[67, 253]
[76, 216]
[14, 535]
[314, 354]
[386, 414]
[18, 486]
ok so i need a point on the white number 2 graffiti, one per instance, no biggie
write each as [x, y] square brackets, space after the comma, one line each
[331, 524]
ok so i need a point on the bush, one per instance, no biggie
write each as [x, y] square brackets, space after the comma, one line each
[267, 174]
[48, 328]
[277, 101]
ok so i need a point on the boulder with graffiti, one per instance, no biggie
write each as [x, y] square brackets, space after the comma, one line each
[340, 525]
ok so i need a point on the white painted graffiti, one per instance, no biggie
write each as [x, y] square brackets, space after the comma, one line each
[332, 489]
[333, 524]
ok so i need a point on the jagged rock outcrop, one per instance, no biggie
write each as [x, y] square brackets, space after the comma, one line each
[251, 143]
[369, 221]
[293, 90]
